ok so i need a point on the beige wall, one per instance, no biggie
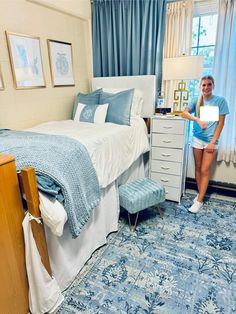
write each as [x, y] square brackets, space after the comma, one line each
[221, 172]
[24, 108]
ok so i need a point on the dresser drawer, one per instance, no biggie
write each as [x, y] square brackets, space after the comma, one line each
[168, 154]
[172, 194]
[167, 140]
[167, 179]
[168, 126]
[166, 167]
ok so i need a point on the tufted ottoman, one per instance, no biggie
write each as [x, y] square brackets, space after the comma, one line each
[140, 194]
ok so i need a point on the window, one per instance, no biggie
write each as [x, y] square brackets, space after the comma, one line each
[203, 43]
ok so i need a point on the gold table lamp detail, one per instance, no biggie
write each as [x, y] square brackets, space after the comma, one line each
[181, 97]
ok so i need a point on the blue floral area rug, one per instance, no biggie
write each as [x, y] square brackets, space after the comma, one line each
[183, 263]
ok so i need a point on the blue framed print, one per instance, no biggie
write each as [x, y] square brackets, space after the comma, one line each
[61, 63]
[26, 61]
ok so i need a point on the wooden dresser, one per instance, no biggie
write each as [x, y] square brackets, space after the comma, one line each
[168, 164]
[13, 285]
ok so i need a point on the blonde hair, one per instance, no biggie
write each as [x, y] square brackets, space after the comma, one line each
[200, 98]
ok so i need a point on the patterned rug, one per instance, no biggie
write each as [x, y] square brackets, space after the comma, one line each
[183, 263]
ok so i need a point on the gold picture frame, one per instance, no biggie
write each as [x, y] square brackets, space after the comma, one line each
[2, 86]
[26, 61]
[61, 63]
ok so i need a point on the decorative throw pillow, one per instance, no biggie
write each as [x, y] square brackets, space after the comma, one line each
[91, 113]
[87, 99]
[137, 104]
[119, 106]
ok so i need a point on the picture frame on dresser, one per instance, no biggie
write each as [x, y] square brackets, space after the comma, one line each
[2, 87]
[26, 61]
[61, 63]
[169, 150]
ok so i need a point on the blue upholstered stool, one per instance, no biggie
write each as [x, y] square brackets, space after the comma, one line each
[140, 194]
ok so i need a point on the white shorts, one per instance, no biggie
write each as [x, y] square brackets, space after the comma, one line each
[197, 143]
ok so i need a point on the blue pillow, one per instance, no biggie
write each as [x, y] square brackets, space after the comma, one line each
[119, 106]
[87, 99]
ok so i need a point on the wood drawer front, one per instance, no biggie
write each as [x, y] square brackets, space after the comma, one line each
[166, 167]
[172, 194]
[167, 179]
[168, 154]
[168, 126]
[167, 140]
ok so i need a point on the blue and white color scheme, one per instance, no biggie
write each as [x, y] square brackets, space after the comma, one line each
[181, 264]
[91, 113]
[64, 160]
[140, 194]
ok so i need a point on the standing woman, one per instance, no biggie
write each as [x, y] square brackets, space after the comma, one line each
[205, 136]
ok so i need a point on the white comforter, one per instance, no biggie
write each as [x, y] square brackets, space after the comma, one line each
[112, 147]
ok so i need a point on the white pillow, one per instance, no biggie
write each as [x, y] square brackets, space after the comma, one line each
[91, 113]
[53, 214]
[137, 104]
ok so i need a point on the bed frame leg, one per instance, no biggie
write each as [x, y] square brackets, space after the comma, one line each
[29, 183]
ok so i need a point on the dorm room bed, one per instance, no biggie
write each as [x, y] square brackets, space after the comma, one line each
[116, 152]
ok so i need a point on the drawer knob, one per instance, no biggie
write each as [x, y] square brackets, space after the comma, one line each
[167, 127]
[164, 180]
[166, 141]
[166, 155]
[165, 168]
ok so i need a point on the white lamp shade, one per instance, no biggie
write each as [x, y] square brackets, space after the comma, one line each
[183, 68]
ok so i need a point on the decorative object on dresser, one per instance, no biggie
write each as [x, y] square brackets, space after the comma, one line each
[14, 285]
[168, 159]
[182, 68]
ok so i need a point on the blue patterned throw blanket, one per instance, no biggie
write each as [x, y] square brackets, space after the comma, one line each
[66, 162]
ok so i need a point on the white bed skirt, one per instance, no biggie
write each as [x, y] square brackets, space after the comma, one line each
[67, 255]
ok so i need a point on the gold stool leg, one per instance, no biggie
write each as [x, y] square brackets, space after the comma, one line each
[133, 226]
[160, 212]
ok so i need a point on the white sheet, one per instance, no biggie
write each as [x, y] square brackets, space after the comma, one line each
[112, 147]
[67, 255]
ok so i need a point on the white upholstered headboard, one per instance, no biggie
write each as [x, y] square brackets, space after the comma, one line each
[145, 83]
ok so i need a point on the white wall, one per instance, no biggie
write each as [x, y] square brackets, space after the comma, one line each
[221, 172]
[70, 21]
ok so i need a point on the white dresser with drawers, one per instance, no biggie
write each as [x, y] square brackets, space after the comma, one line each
[169, 149]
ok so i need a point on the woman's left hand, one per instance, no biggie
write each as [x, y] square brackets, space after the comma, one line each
[210, 148]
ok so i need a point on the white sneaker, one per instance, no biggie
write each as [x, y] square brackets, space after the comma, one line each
[195, 207]
[195, 199]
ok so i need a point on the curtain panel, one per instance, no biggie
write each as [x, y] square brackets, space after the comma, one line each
[128, 37]
[178, 39]
[224, 74]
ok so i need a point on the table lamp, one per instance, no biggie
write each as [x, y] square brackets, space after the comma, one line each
[182, 68]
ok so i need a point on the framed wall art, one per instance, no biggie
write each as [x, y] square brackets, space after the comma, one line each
[61, 63]
[26, 61]
[1, 81]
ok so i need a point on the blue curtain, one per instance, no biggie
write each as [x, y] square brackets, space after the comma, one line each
[128, 37]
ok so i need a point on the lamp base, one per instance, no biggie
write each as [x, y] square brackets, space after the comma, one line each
[177, 113]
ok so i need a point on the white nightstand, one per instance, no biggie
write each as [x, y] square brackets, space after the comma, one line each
[169, 149]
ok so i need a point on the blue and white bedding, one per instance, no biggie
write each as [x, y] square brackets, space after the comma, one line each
[112, 147]
[65, 161]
